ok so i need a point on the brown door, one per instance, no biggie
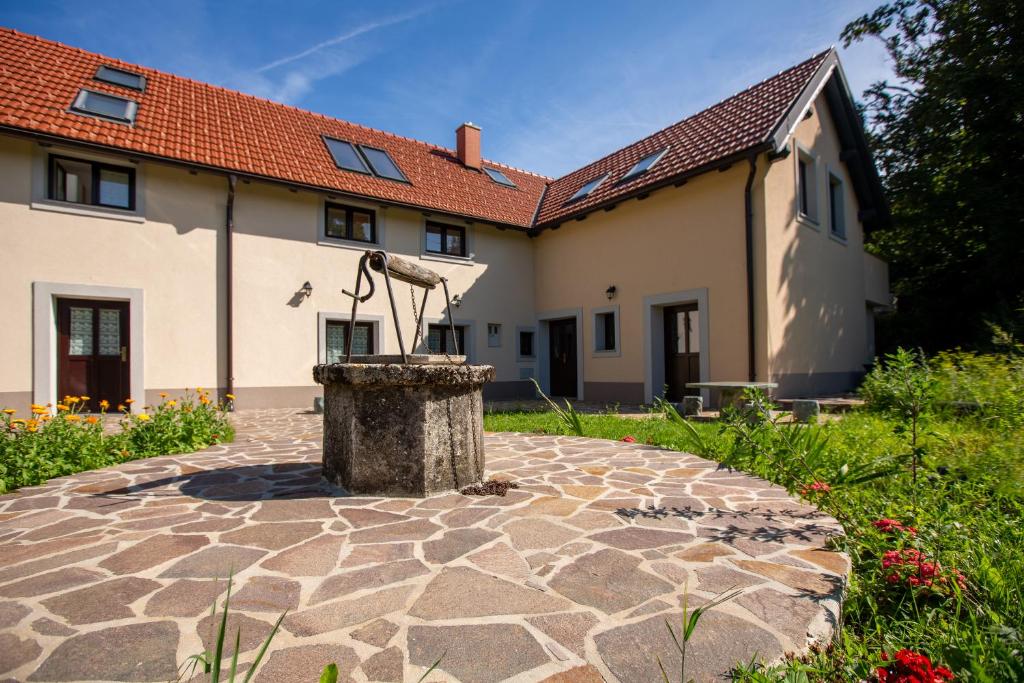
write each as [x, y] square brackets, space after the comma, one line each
[93, 351]
[682, 351]
[563, 357]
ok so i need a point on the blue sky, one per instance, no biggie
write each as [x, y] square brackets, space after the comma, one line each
[553, 84]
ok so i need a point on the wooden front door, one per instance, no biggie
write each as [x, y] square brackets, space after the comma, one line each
[562, 334]
[682, 351]
[93, 351]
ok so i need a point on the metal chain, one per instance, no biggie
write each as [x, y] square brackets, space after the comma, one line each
[415, 319]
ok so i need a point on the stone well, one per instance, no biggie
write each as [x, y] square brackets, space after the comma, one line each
[412, 429]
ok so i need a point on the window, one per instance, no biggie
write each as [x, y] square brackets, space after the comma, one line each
[362, 159]
[440, 340]
[645, 164]
[806, 186]
[493, 335]
[336, 340]
[350, 223]
[587, 189]
[836, 208]
[446, 239]
[526, 344]
[126, 79]
[606, 337]
[498, 177]
[105, 106]
[90, 182]
[382, 164]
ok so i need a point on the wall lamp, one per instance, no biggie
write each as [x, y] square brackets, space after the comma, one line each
[457, 301]
[610, 292]
[306, 289]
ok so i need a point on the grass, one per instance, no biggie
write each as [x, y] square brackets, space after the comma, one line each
[966, 510]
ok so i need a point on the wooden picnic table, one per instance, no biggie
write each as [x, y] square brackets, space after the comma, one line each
[731, 393]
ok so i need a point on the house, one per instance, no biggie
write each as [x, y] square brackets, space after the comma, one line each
[159, 233]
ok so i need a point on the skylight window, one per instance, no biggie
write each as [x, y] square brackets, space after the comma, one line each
[382, 164]
[645, 164]
[346, 156]
[126, 79]
[499, 177]
[588, 188]
[105, 106]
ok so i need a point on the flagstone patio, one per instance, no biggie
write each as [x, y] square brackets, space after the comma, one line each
[109, 575]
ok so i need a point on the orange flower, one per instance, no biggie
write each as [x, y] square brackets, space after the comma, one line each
[19, 421]
[61, 406]
[72, 418]
[129, 401]
[204, 400]
[104, 404]
[121, 407]
[32, 425]
[92, 419]
[40, 410]
[163, 394]
[171, 404]
[84, 398]
[71, 399]
[9, 411]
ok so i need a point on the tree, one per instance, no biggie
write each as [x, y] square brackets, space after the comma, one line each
[949, 140]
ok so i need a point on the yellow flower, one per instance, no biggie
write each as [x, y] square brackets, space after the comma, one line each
[163, 394]
[104, 404]
[121, 407]
[71, 399]
[200, 390]
[45, 418]
[92, 419]
[9, 411]
[19, 421]
[84, 398]
[61, 406]
[129, 401]
[171, 404]
[143, 418]
[72, 418]
[39, 410]
[32, 425]
[230, 397]
[204, 400]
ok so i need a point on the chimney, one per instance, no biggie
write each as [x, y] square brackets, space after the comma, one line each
[467, 140]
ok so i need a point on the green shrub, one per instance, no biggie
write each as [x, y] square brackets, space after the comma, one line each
[62, 440]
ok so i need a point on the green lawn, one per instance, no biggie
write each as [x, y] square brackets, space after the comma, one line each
[966, 508]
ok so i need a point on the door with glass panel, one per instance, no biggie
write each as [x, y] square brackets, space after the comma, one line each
[93, 351]
[682, 351]
[337, 338]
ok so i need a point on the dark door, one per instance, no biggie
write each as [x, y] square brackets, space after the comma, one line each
[682, 351]
[563, 357]
[93, 351]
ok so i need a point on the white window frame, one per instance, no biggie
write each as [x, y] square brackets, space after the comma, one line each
[326, 241]
[41, 185]
[519, 351]
[812, 218]
[597, 332]
[838, 236]
[322, 318]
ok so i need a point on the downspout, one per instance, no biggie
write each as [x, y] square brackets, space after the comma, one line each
[748, 202]
[228, 289]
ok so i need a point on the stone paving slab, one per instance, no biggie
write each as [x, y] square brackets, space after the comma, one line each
[109, 575]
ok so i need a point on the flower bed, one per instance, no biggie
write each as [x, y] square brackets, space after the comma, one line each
[54, 441]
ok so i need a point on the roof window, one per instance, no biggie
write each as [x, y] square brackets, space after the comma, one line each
[126, 79]
[105, 106]
[499, 177]
[645, 164]
[362, 159]
[588, 188]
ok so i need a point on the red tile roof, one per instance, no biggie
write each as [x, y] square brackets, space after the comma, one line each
[734, 125]
[187, 121]
[184, 120]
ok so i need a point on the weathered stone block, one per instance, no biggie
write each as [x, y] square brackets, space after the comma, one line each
[806, 410]
[692, 405]
[403, 429]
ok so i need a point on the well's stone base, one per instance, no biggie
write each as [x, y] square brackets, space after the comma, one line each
[403, 430]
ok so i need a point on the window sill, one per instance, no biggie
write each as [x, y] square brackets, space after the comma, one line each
[348, 244]
[86, 210]
[836, 238]
[615, 353]
[445, 258]
[804, 219]
[526, 359]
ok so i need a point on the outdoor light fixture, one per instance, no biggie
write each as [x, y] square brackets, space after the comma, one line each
[610, 292]
[457, 301]
[307, 289]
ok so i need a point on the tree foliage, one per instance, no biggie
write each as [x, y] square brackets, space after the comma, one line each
[948, 134]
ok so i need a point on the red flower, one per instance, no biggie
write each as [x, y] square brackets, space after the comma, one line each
[912, 667]
[817, 487]
[629, 439]
[911, 566]
[887, 526]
